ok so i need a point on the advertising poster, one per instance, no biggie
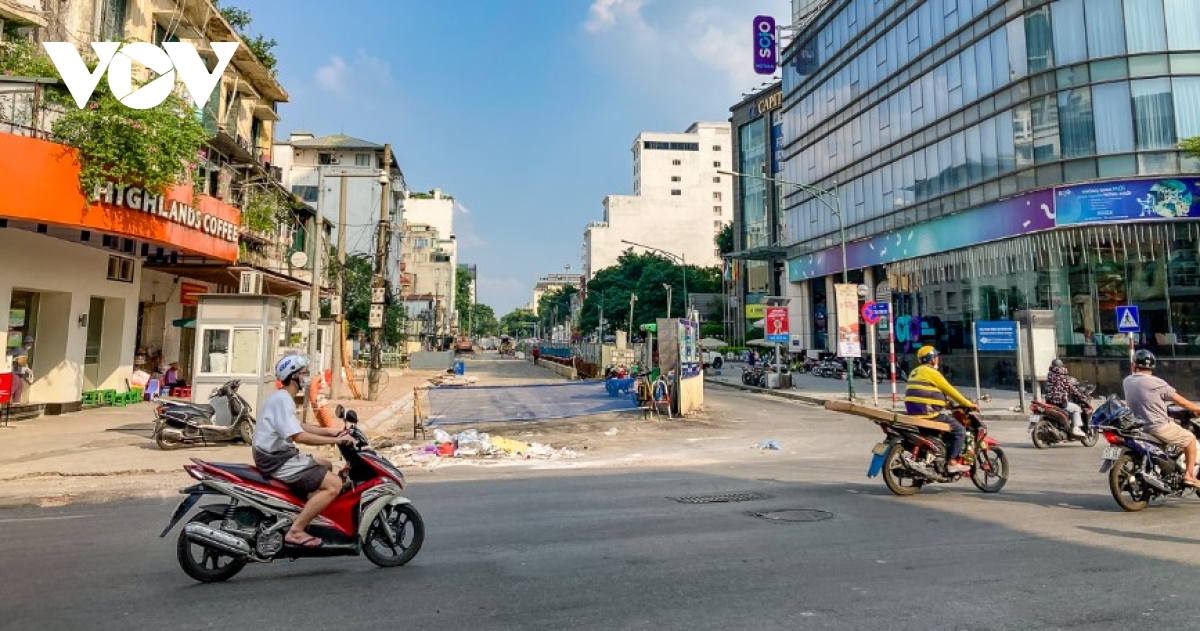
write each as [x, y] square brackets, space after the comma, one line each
[689, 348]
[776, 325]
[1131, 200]
[849, 344]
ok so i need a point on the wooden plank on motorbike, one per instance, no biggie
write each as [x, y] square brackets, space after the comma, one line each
[884, 416]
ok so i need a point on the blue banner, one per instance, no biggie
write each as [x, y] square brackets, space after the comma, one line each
[1130, 200]
[996, 336]
[777, 147]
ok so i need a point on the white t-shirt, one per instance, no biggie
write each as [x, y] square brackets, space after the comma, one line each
[277, 423]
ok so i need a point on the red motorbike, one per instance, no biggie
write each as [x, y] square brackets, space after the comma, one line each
[371, 516]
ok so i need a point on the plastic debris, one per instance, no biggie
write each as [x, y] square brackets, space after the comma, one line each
[612, 432]
[768, 445]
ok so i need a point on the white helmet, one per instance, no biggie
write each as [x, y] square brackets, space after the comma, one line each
[290, 365]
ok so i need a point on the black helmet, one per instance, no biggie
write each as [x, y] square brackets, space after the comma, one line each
[1144, 359]
[1057, 363]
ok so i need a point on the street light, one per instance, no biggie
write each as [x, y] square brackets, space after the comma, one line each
[820, 194]
[682, 263]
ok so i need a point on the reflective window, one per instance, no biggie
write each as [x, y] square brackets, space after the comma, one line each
[1070, 42]
[1076, 125]
[753, 157]
[1183, 18]
[1105, 28]
[1144, 26]
[1039, 40]
[1153, 114]
[1187, 106]
[1113, 116]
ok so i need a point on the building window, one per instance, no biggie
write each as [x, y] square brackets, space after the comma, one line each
[716, 147]
[717, 165]
[716, 179]
[675, 178]
[362, 160]
[671, 146]
[676, 162]
[230, 351]
[324, 158]
[676, 191]
[306, 193]
[717, 210]
[112, 20]
[717, 195]
[120, 269]
[718, 224]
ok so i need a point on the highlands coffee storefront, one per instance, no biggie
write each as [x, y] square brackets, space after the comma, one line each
[74, 297]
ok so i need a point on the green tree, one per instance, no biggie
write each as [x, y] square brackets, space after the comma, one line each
[356, 300]
[517, 322]
[462, 296]
[724, 239]
[554, 306]
[644, 275]
[1191, 145]
[483, 320]
[260, 46]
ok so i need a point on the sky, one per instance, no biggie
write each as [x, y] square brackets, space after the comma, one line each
[524, 110]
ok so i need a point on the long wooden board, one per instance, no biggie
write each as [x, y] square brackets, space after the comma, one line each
[883, 416]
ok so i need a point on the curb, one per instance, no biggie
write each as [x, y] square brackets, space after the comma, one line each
[819, 401]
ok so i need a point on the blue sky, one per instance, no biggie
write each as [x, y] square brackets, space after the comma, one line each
[524, 110]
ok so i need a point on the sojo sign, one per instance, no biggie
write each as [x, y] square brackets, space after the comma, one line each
[172, 58]
[765, 58]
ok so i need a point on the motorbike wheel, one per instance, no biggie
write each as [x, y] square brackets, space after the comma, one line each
[894, 473]
[1129, 493]
[166, 444]
[994, 480]
[211, 566]
[1091, 439]
[404, 521]
[717, 363]
[1038, 435]
[246, 432]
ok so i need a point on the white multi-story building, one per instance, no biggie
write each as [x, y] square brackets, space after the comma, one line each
[435, 211]
[553, 282]
[310, 163]
[680, 200]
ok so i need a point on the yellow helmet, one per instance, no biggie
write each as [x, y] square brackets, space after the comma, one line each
[926, 354]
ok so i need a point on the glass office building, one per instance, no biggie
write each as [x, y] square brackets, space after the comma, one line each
[998, 156]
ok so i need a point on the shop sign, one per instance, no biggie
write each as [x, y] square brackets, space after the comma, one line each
[766, 58]
[756, 312]
[1132, 200]
[173, 210]
[189, 293]
[769, 102]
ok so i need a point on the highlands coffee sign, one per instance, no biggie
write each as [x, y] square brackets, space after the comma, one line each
[162, 207]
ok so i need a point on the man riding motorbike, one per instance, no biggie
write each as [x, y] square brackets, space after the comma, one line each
[1060, 390]
[276, 455]
[1147, 397]
[928, 394]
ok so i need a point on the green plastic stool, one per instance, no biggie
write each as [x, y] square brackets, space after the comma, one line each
[91, 397]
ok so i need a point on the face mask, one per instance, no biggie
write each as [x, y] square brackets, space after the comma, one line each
[304, 383]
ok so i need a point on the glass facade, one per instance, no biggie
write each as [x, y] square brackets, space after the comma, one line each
[943, 105]
[921, 109]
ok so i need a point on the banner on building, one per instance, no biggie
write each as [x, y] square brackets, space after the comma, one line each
[766, 56]
[1131, 200]
[189, 293]
[849, 344]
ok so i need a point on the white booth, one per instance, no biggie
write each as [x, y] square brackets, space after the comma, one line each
[237, 337]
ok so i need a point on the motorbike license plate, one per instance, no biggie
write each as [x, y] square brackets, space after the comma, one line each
[1033, 419]
[880, 449]
[1112, 453]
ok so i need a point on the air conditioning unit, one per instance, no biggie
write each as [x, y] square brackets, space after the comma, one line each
[335, 160]
[251, 283]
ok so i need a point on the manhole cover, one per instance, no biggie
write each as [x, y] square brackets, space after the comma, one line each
[794, 515]
[720, 497]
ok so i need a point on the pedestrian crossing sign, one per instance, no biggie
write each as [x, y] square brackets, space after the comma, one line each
[1127, 320]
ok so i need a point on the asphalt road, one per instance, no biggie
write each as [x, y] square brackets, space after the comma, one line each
[607, 549]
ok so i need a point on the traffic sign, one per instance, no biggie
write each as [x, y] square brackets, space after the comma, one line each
[776, 324]
[996, 336]
[1128, 320]
[869, 314]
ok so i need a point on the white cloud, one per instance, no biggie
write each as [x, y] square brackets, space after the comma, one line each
[364, 74]
[693, 57]
[464, 230]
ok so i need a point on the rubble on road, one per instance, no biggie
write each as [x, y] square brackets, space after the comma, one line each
[473, 444]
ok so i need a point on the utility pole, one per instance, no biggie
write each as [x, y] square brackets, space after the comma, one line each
[378, 290]
[632, 299]
[339, 337]
[314, 291]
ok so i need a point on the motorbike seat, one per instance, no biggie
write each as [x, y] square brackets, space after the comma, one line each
[250, 473]
[202, 408]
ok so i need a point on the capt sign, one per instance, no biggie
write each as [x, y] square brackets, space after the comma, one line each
[173, 57]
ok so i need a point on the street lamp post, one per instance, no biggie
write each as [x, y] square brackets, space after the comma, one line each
[677, 257]
[820, 194]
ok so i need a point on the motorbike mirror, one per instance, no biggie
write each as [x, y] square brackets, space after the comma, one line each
[340, 411]
[351, 417]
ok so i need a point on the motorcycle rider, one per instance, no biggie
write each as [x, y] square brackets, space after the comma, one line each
[1059, 391]
[276, 455]
[1147, 397]
[928, 394]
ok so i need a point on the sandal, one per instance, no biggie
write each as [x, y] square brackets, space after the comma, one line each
[307, 543]
[1192, 483]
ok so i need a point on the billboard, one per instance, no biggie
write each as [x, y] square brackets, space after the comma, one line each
[1130, 200]
[766, 57]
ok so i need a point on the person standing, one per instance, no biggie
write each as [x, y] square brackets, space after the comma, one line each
[22, 375]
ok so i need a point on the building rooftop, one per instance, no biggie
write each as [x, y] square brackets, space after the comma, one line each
[336, 141]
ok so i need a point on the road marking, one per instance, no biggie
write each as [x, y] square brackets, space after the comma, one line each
[28, 519]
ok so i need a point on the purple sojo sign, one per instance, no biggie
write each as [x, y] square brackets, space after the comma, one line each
[765, 56]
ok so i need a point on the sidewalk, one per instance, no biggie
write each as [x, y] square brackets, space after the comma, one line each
[818, 390]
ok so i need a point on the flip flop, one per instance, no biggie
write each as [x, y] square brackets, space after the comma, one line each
[1192, 483]
[307, 543]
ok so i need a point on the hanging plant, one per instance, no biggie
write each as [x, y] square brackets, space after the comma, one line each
[263, 209]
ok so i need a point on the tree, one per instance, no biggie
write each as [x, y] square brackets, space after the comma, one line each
[554, 306]
[517, 322]
[356, 300]
[644, 275]
[1191, 145]
[240, 20]
[462, 297]
[483, 320]
[724, 239]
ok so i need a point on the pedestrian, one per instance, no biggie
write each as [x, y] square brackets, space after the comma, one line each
[536, 353]
[22, 374]
[172, 378]
[751, 358]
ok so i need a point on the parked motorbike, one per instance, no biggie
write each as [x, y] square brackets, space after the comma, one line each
[753, 375]
[1139, 467]
[830, 369]
[225, 418]
[371, 516]
[912, 456]
[1050, 424]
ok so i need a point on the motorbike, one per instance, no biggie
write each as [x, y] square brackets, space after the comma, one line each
[1139, 467]
[370, 516]
[754, 375]
[1050, 424]
[830, 369]
[911, 456]
[225, 418]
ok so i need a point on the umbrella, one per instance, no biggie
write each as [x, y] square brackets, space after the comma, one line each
[712, 343]
[759, 343]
